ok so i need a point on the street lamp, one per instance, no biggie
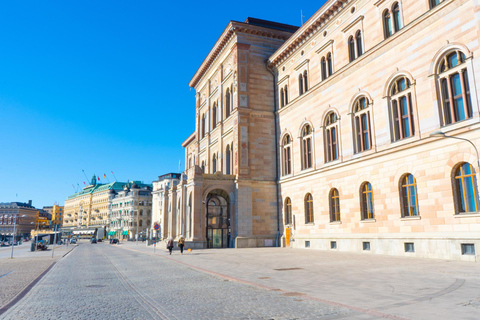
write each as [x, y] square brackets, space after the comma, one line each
[440, 134]
[14, 230]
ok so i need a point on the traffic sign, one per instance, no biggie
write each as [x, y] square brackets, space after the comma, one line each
[156, 226]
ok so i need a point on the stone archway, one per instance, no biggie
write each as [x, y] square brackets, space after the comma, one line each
[218, 219]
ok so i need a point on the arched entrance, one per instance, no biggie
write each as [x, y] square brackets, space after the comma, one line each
[218, 219]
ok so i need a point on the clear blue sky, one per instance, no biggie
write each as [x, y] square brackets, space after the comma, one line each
[103, 86]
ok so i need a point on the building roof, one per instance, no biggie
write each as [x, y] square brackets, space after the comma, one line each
[169, 176]
[189, 139]
[260, 27]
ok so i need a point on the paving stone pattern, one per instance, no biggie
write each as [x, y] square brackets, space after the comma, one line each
[100, 281]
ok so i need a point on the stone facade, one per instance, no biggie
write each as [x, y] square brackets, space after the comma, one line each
[129, 211]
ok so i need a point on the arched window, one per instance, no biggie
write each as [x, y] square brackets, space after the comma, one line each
[329, 64]
[323, 64]
[397, 21]
[434, 3]
[287, 155]
[408, 193]
[361, 124]
[140, 223]
[454, 88]
[286, 95]
[401, 109]
[307, 147]
[214, 163]
[227, 160]
[300, 84]
[358, 40]
[366, 203]
[331, 137]
[227, 103]
[282, 98]
[203, 166]
[305, 81]
[351, 48]
[203, 126]
[308, 208]
[214, 116]
[465, 189]
[387, 24]
[288, 211]
[334, 200]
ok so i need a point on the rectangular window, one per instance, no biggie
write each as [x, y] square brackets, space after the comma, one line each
[366, 246]
[333, 244]
[468, 249]
[307, 244]
[409, 247]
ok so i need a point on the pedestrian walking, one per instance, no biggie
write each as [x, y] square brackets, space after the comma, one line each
[170, 245]
[181, 244]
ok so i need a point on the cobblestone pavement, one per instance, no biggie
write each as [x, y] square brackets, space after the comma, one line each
[16, 274]
[378, 286]
[102, 281]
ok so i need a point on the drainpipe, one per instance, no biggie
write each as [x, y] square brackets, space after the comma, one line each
[277, 177]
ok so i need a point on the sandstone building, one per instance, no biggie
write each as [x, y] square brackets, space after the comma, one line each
[345, 134]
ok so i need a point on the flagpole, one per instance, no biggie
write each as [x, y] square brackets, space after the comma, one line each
[105, 177]
[84, 174]
[114, 177]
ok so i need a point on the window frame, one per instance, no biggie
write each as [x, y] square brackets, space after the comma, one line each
[307, 146]
[367, 205]
[397, 106]
[460, 185]
[334, 205]
[405, 196]
[309, 214]
[361, 117]
[288, 211]
[287, 143]
[330, 143]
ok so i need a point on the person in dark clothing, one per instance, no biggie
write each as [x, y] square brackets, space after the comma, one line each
[181, 244]
[170, 245]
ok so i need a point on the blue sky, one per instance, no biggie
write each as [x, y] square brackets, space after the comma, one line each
[103, 86]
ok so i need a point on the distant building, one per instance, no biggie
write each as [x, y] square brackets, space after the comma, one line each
[164, 208]
[24, 215]
[130, 211]
[57, 215]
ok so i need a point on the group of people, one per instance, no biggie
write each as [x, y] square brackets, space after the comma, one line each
[180, 244]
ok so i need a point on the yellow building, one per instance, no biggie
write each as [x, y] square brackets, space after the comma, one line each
[86, 212]
[57, 215]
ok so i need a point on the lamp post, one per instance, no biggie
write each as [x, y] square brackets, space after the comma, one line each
[443, 135]
[15, 230]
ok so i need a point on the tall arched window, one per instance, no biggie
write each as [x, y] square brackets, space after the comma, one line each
[387, 24]
[434, 3]
[408, 193]
[203, 126]
[366, 203]
[286, 94]
[227, 160]
[287, 155]
[282, 98]
[401, 109]
[307, 135]
[203, 166]
[214, 163]
[454, 88]
[329, 64]
[331, 137]
[361, 123]
[305, 81]
[465, 189]
[288, 211]
[227, 103]
[300, 84]
[351, 48]
[397, 21]
[334, 199]
[323, 64]
[214, 116]
[359, 43]
[308, 208]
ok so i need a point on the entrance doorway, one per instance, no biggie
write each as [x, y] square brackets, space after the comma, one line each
[218, 220]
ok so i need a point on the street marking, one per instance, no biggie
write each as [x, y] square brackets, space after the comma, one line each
[6, 274]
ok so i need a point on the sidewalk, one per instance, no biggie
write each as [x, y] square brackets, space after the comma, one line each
[18, 273]
[404, 287]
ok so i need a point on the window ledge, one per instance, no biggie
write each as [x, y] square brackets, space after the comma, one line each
[310, 224]
[368, 221]
[410, 218]
[335, 222]
[468, 215]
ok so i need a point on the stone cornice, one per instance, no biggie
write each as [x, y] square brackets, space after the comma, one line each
[310, 28]
[233, 28]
